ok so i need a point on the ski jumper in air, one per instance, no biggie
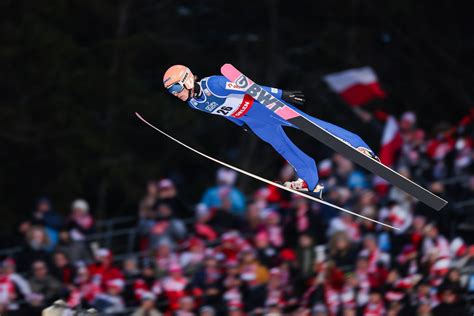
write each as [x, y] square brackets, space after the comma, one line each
[216, 95]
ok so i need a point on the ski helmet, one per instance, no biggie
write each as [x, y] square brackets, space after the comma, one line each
[177, 78]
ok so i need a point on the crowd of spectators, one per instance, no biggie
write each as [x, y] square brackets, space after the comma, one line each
[267, 253]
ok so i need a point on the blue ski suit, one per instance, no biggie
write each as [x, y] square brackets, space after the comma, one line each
[221, 97]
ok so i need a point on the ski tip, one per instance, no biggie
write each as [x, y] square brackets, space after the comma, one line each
[139, 116]
[230, 72]
[227, 67]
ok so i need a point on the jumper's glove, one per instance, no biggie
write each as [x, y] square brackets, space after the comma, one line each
[293, 97]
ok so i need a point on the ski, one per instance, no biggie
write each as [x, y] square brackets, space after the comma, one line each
[336, 144]
[306, 195]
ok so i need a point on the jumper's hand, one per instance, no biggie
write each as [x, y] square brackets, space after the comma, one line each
[293, 97]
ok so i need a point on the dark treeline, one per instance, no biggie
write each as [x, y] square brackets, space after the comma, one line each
[73, 72]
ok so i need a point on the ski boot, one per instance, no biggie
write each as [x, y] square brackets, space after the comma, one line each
[369, 153]
[301, 185]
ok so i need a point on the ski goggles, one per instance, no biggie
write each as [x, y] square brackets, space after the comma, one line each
[176, 88]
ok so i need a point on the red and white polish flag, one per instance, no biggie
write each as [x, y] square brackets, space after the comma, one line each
[391, 142]
[356, 86]
[389, 148]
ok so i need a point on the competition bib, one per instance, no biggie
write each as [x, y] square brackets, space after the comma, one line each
[235, 105]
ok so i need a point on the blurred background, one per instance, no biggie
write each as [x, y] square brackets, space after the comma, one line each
[74, 72]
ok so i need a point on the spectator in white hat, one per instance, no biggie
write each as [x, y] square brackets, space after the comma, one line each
[79, 225]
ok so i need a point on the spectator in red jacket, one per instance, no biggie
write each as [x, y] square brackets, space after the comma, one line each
[103, 270]
[21, 287]
[8, 294]
[174, 286]
[375, 306]
[84, 289]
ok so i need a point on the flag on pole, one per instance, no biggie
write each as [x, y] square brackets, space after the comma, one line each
[391, 142]
[356, 86]
[389, 148]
